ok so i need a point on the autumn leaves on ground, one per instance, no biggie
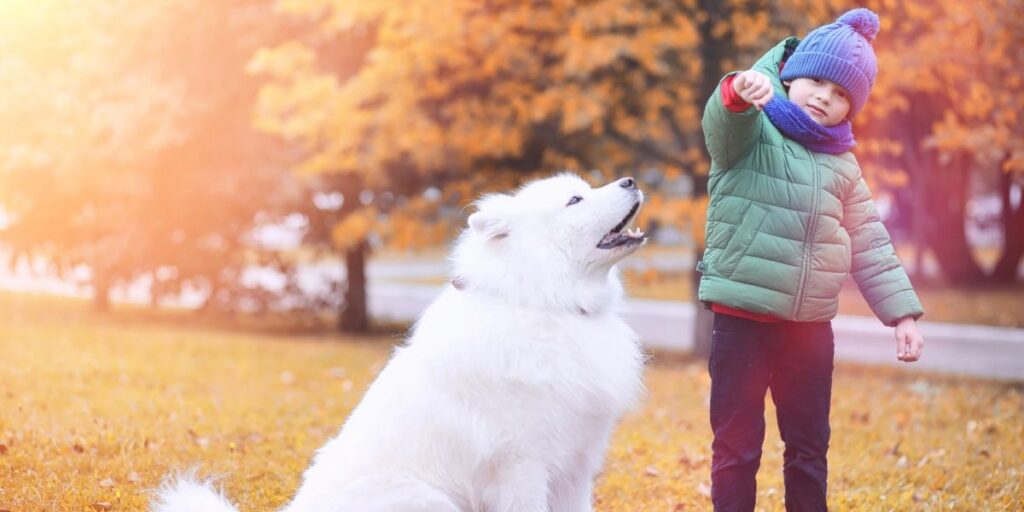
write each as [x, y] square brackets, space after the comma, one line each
[97, 409]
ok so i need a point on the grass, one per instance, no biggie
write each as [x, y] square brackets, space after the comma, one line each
[97, 409]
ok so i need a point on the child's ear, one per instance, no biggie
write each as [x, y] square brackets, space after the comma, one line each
[787, 83]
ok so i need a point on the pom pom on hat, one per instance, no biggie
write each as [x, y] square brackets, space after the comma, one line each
[864, 21]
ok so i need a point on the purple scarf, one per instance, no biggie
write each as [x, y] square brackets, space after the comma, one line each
[795, 124]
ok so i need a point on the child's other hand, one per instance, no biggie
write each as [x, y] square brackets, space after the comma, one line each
[909, 342]
[754, 87]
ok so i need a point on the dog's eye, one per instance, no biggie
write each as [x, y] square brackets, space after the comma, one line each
[574, 200]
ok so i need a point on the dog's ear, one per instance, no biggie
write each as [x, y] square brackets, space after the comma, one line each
[491, 220]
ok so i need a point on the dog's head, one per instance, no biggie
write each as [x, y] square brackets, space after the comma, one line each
[556, 237]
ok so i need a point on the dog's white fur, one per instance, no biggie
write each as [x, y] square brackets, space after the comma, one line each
[505, 395]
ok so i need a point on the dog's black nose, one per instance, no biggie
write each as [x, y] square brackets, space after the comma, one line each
[627, 183]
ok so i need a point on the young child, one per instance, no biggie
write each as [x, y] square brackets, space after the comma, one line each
[790, 217]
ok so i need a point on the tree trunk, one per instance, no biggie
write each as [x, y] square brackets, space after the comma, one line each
[947, 236]
[354, 318]
[713, 50]
[101, 292]
[919, 223]
[1005, 270]
[703, 319]
[940, 189]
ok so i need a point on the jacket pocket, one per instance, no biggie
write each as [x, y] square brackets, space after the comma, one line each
[741, 239]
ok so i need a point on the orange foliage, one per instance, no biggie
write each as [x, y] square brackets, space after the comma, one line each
[961, 58]
[472, 93]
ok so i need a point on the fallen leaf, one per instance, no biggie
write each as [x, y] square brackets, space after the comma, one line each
[652, 471]
[102, 505]
[704, 490]
[106, 483]
[692, 462]
[895, 450]
[78, 448]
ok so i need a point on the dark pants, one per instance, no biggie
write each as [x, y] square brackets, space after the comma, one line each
[794, 360]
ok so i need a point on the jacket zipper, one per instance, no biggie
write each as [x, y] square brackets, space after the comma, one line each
[809, 237]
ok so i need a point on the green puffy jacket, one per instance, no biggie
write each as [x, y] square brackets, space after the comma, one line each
[786, 225]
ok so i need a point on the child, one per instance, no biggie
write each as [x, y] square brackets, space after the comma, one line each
[790, 217]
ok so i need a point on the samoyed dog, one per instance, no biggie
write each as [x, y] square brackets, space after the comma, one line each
[505, 394]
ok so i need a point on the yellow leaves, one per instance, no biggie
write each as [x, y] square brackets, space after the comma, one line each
[887, 177]
[720, 29]
[749, 27]
[282, 61]
[584, 57]
[687, 214]
[449, 86]
[958, 54]
[979, 102]
[879, 147]
[353, 228]
[1015, 163]
[581, 109]
[918, 11]
[406, 232]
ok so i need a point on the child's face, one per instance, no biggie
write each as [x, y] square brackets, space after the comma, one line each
[824, 100]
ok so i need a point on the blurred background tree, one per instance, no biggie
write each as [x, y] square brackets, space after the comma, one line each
[127, 147]
[944, 121]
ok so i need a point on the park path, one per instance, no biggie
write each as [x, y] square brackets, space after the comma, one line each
[978, 350]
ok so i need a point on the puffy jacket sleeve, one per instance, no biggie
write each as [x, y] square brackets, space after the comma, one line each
[729, 135]
[881, 278]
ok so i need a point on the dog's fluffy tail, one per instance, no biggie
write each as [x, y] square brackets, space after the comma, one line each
[185, 493]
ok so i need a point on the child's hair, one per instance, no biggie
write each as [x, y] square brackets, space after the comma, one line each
[840, 52]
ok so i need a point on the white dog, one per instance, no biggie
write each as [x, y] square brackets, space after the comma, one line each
[505, 395]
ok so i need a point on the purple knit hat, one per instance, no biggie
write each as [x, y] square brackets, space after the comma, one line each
[840, 52]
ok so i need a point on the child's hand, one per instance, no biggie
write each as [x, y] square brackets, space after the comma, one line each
[909, 342]
[754, 87]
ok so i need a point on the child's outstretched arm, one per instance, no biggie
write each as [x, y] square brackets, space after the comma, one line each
[881, 278]
[730, 135]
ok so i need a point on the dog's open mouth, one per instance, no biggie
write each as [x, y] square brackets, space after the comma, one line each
[617, 237]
